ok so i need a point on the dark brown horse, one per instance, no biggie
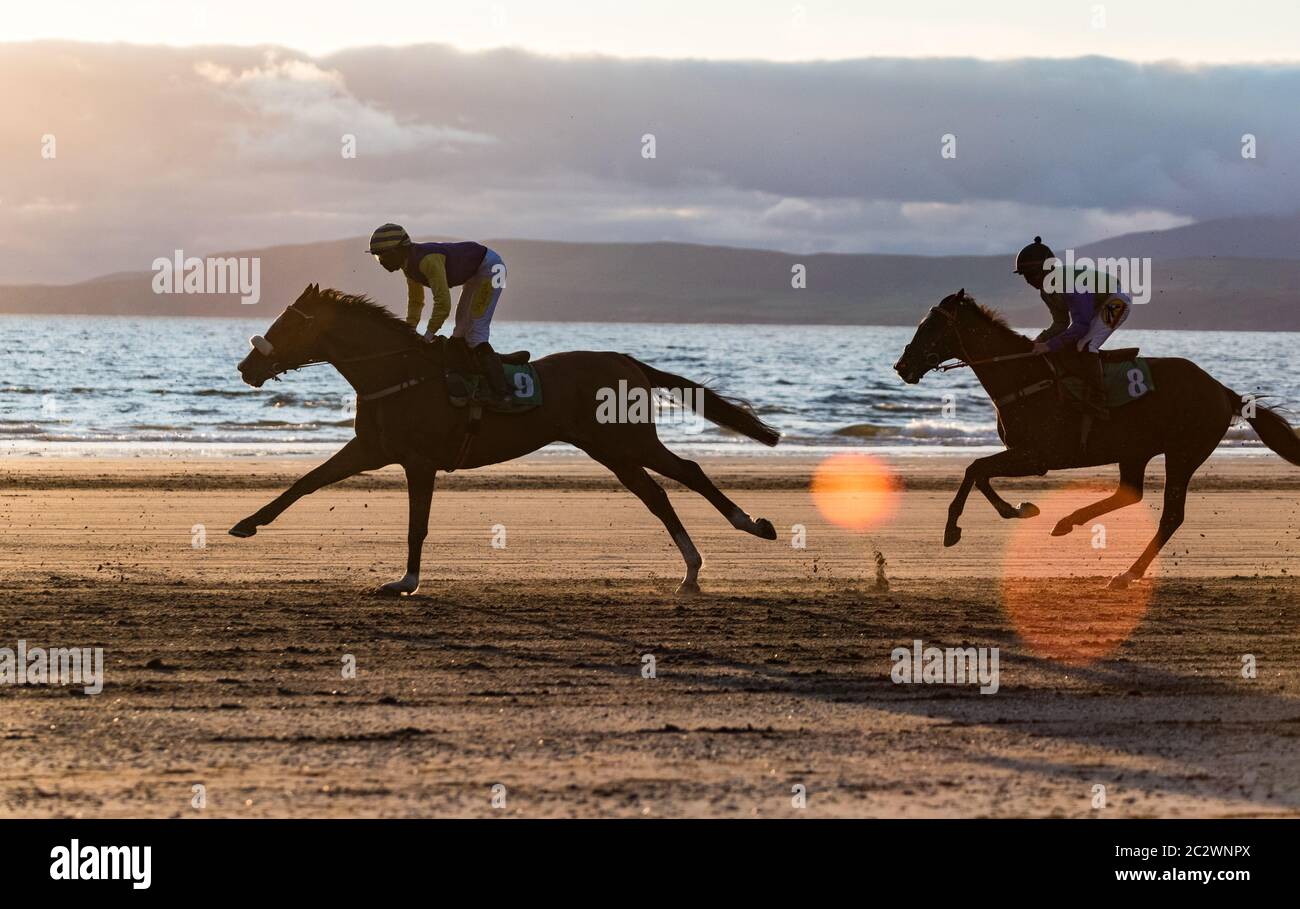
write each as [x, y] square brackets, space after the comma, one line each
[404, 417]
[1184, 417]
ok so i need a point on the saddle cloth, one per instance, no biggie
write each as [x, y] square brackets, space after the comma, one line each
[1126, 379]
[464, 389]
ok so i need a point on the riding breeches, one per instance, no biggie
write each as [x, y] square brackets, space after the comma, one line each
[1112, 313]
[478, 300]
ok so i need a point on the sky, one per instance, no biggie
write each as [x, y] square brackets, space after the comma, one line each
[134, 129]
[1201, 31]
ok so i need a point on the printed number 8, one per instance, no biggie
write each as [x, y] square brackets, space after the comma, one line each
[1137, 385]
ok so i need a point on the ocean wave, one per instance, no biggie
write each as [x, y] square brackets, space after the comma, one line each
[207, 392]
[864, 431]
[292, 399]
[275, 424]
[907, 406]
[54, 392]
[951, 429]
[20, 429]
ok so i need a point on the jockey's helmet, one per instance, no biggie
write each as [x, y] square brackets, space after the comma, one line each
[1032, 257]
[389, 236]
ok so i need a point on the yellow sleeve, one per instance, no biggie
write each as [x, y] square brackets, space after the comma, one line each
[434, 268]
[414, 302]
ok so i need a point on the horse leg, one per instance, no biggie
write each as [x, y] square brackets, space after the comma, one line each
[419, 494]
[665, 462]
[1178, 474]
[352, 458]
[1132, 478]
[1014, 462]
[643, 486]
[1005, 508]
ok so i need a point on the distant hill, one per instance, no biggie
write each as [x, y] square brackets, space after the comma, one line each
[1255, 237]
[674, 282]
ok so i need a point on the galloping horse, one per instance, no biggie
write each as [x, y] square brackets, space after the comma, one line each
[1184, 417]
[404, 417]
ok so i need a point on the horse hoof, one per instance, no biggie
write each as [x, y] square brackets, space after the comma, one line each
[688, 588]
[951, 535]
[764, 529]
[242, 530]
[1062, 527]
[1121, 581]
[400, 588]
[1027, 510]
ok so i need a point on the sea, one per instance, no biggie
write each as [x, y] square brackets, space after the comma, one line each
[122, 386]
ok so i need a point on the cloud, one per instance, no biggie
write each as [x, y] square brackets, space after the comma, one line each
[220, 147]
[296, 108]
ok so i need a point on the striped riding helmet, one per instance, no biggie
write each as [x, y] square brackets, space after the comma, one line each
[387, 237]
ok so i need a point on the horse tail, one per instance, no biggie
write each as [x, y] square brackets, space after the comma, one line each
[1271, 427]
[733, 413]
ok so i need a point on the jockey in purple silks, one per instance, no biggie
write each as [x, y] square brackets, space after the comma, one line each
[1082, 320]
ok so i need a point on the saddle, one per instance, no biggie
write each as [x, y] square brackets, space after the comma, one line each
[1125, 378]
[471, 389]
[468, 390]
[467, 386]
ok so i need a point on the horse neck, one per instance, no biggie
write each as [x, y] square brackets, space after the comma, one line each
[367, 353]
[985, 340]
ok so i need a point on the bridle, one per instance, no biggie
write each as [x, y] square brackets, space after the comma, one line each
[1004, 400]
[267, 349]
[965, 357]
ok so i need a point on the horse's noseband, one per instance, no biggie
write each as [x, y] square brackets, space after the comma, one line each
[265, 347]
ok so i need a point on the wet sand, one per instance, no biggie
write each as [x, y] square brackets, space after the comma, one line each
[525, 666]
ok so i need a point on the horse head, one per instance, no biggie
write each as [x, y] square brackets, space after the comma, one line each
[937, 338]
[293, 340]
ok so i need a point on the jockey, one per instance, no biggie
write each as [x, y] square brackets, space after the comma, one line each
[1084, 314]
[440, 267]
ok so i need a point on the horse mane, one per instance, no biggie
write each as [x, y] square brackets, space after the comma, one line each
[367, 307]
[991, 316]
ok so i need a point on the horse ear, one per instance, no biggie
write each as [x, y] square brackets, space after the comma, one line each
[961, 295]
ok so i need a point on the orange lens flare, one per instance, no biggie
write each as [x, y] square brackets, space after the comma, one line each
[1054, 589]
[855, 491]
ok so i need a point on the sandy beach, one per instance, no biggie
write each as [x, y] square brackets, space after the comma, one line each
[524, 665]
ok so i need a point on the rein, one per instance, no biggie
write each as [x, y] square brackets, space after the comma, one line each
[960, 364]
[1003, 400]
[359, 359]
[962, 344]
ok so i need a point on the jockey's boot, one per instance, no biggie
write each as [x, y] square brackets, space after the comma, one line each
[460, 357]
[1087, 365]
[489, 361]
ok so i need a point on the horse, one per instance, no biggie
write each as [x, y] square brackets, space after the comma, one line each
[1184, 416]
[404, 416]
